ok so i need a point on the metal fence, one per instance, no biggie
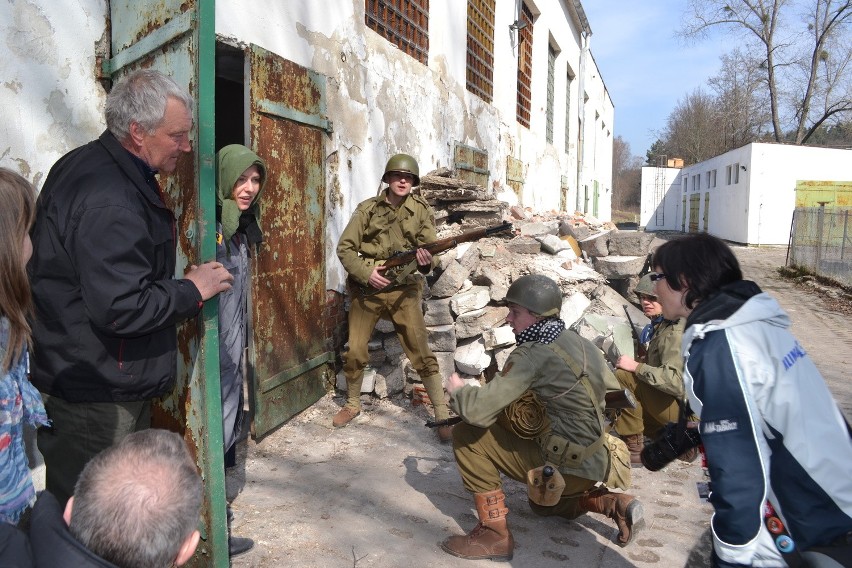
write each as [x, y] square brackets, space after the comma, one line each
[821, 242]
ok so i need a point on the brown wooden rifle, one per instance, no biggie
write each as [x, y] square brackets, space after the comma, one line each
[405, 262]
[404, 257]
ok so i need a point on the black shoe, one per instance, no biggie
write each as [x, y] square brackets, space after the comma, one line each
[238, 545]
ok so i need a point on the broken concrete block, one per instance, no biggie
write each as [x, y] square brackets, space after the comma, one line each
[476, 298]
[630, 243]
[450, 281]
[573, 307]
[615, 302]
[474, 323]
[501, 354]
[502, 336]
[618, 266]
[596, 245]
[610, 334]
[538, 229]
[470, 259]
[438, 312]
[441, 337]
[471, 357]
[389, 381]
[523, 245]
[552, 244]
[367, 385]
[517, 212]
[579, 230]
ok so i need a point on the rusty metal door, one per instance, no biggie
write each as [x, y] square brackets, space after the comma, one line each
[288, 355]
[694, 204]
[177, 38]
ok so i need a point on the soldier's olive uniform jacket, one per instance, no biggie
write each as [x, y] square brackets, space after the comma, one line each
[378, 229]
[663, 366]
[537, 366]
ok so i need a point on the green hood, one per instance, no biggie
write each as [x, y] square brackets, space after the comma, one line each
[231, 162]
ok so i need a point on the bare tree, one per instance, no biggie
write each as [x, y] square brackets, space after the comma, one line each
[741, 100]
[812, 57]
[626, 176]
[692, 130]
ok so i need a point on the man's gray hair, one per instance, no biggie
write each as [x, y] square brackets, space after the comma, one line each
[136, 502]
[141, 97]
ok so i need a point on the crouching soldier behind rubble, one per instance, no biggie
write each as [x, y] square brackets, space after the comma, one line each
[570, 377]
[655, 378]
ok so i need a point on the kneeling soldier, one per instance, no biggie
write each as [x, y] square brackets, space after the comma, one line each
[570, 376]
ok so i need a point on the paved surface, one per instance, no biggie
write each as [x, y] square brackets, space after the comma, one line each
[383, 492]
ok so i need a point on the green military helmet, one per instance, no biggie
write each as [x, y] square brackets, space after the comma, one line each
[645, 287]
[537, 293]
[405, 164]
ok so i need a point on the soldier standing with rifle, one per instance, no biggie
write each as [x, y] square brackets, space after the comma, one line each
[655, 379]
[570, 377]
[395, 220]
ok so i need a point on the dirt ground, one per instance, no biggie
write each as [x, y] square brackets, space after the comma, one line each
[383, 492]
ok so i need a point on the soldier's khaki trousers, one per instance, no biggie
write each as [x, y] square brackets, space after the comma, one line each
[404, 307]
[483, 453]
[654, 408]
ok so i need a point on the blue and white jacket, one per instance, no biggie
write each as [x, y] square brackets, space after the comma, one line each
[770, 428]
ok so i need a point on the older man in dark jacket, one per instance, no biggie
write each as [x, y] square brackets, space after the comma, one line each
[107, 303]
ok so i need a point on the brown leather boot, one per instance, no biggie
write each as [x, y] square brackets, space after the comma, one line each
[344, 416]
[624, 509]
[491, 538]
[635, 443]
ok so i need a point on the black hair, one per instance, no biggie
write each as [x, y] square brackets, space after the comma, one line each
[701, 263]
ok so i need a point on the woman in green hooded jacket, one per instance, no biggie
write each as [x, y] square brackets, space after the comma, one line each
[240, 180]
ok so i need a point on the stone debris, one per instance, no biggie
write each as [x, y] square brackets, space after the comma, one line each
[594, 263]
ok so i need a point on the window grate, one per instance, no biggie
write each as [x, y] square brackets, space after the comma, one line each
[404, 23]
[525, 37]
[551, 91]
[480, 48]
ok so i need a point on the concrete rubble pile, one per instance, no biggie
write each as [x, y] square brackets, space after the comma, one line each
[594, 263]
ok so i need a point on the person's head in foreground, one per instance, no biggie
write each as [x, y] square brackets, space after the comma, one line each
[690, 270]
[137, 503]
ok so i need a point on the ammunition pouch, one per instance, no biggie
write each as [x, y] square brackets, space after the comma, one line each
[557, 450]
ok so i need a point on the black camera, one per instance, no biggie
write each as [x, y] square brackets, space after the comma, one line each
[677, 438]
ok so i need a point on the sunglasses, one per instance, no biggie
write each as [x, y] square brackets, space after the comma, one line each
[657, 276]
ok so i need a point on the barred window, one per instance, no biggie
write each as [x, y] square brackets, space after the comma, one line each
[525, 37]
[480, 48]
[568, 110]
[551, 91]
[404, 23]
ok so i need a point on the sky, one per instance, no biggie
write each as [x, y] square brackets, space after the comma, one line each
[645, 68]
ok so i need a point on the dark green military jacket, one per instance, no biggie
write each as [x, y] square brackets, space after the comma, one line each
[377, 230]
[572, 412]
[663, 366]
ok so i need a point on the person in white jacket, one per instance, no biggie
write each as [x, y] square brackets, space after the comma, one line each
[777, 446]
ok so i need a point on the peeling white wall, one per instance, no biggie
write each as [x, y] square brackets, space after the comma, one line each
[50, 97]
[382, 101]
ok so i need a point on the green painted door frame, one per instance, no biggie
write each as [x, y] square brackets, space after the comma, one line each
[178, 37]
